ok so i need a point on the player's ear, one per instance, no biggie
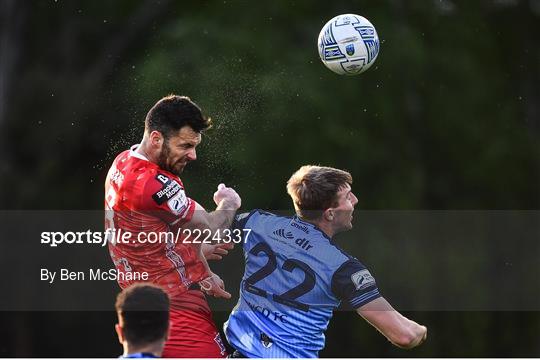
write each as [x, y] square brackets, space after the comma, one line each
[156, 139]
[120, 333]
[167, 333]
[328, 214]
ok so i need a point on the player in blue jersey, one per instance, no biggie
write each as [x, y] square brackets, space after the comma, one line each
[296, 276]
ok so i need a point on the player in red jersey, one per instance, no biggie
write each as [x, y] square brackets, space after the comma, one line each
[145, 198]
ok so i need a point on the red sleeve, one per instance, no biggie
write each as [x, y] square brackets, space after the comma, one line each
[165, 195]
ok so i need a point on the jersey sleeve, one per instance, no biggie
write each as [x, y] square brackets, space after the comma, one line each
[166, 198]
[354, 284]
[239, 223]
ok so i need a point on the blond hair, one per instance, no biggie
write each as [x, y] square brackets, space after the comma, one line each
[314, 189]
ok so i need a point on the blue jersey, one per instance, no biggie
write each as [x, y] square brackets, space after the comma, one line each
[139, 355]
[295, 276]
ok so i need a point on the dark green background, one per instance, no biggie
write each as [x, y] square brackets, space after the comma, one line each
[447, 118]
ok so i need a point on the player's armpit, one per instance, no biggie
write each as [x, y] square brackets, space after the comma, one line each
[399, 330]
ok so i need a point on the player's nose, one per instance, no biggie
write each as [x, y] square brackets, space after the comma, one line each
[192, 155]
[354, 199]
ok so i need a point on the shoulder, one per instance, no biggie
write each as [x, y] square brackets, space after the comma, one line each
[146, 186]
[254, 215]
[122, 156]
[354, 282]
[164, 188]
[161, 186]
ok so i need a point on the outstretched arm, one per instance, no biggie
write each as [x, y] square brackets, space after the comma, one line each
[399, 330]
[227, 202]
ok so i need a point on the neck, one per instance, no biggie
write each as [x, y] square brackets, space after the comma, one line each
[155, 348]
[144, 149]
[323, 226]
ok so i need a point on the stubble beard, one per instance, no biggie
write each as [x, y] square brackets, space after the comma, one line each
[162, 161]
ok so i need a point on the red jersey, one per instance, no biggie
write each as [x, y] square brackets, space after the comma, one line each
[143, 200]
[149, 203]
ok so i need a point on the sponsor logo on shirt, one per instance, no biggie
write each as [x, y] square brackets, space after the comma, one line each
[162, 178]
[169, 189]
[283, 234]
[304, 228]
[303, 243]
[362, 279]
[178, 203]
[266, 341]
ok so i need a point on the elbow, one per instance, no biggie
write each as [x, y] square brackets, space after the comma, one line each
[405, 340]
[410, 339]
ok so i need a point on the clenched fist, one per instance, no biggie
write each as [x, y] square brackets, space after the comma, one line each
[226, 198]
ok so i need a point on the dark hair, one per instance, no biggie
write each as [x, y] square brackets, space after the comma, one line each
[172, 113]
[144, 310]
[314, 189]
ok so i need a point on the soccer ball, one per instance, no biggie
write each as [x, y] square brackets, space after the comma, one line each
[348, 44]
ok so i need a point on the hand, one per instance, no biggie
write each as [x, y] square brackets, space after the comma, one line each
[214, 286]
[226, 198]
[216, 251]
[425, 335]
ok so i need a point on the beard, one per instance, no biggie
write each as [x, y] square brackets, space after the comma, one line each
[163, 162]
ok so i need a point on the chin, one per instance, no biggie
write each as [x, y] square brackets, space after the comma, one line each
[179, 170]
[344, 228]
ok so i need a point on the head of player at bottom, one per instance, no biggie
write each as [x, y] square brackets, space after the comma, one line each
[143, 320]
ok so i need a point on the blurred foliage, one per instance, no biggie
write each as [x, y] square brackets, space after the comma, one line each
[447, 118]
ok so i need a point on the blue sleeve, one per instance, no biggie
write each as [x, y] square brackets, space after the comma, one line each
[240, 220]
[354, 284]
[239, 223]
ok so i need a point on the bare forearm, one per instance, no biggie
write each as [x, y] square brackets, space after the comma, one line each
[227, 201]
[221, 218]
[399, 330]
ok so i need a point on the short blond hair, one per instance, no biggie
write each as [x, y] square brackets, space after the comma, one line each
[314, 189]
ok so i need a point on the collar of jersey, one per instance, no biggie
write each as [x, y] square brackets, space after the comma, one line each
[313, 226]
[139, 355]
[133, 152]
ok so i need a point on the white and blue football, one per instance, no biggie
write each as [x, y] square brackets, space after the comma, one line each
[348, 44]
